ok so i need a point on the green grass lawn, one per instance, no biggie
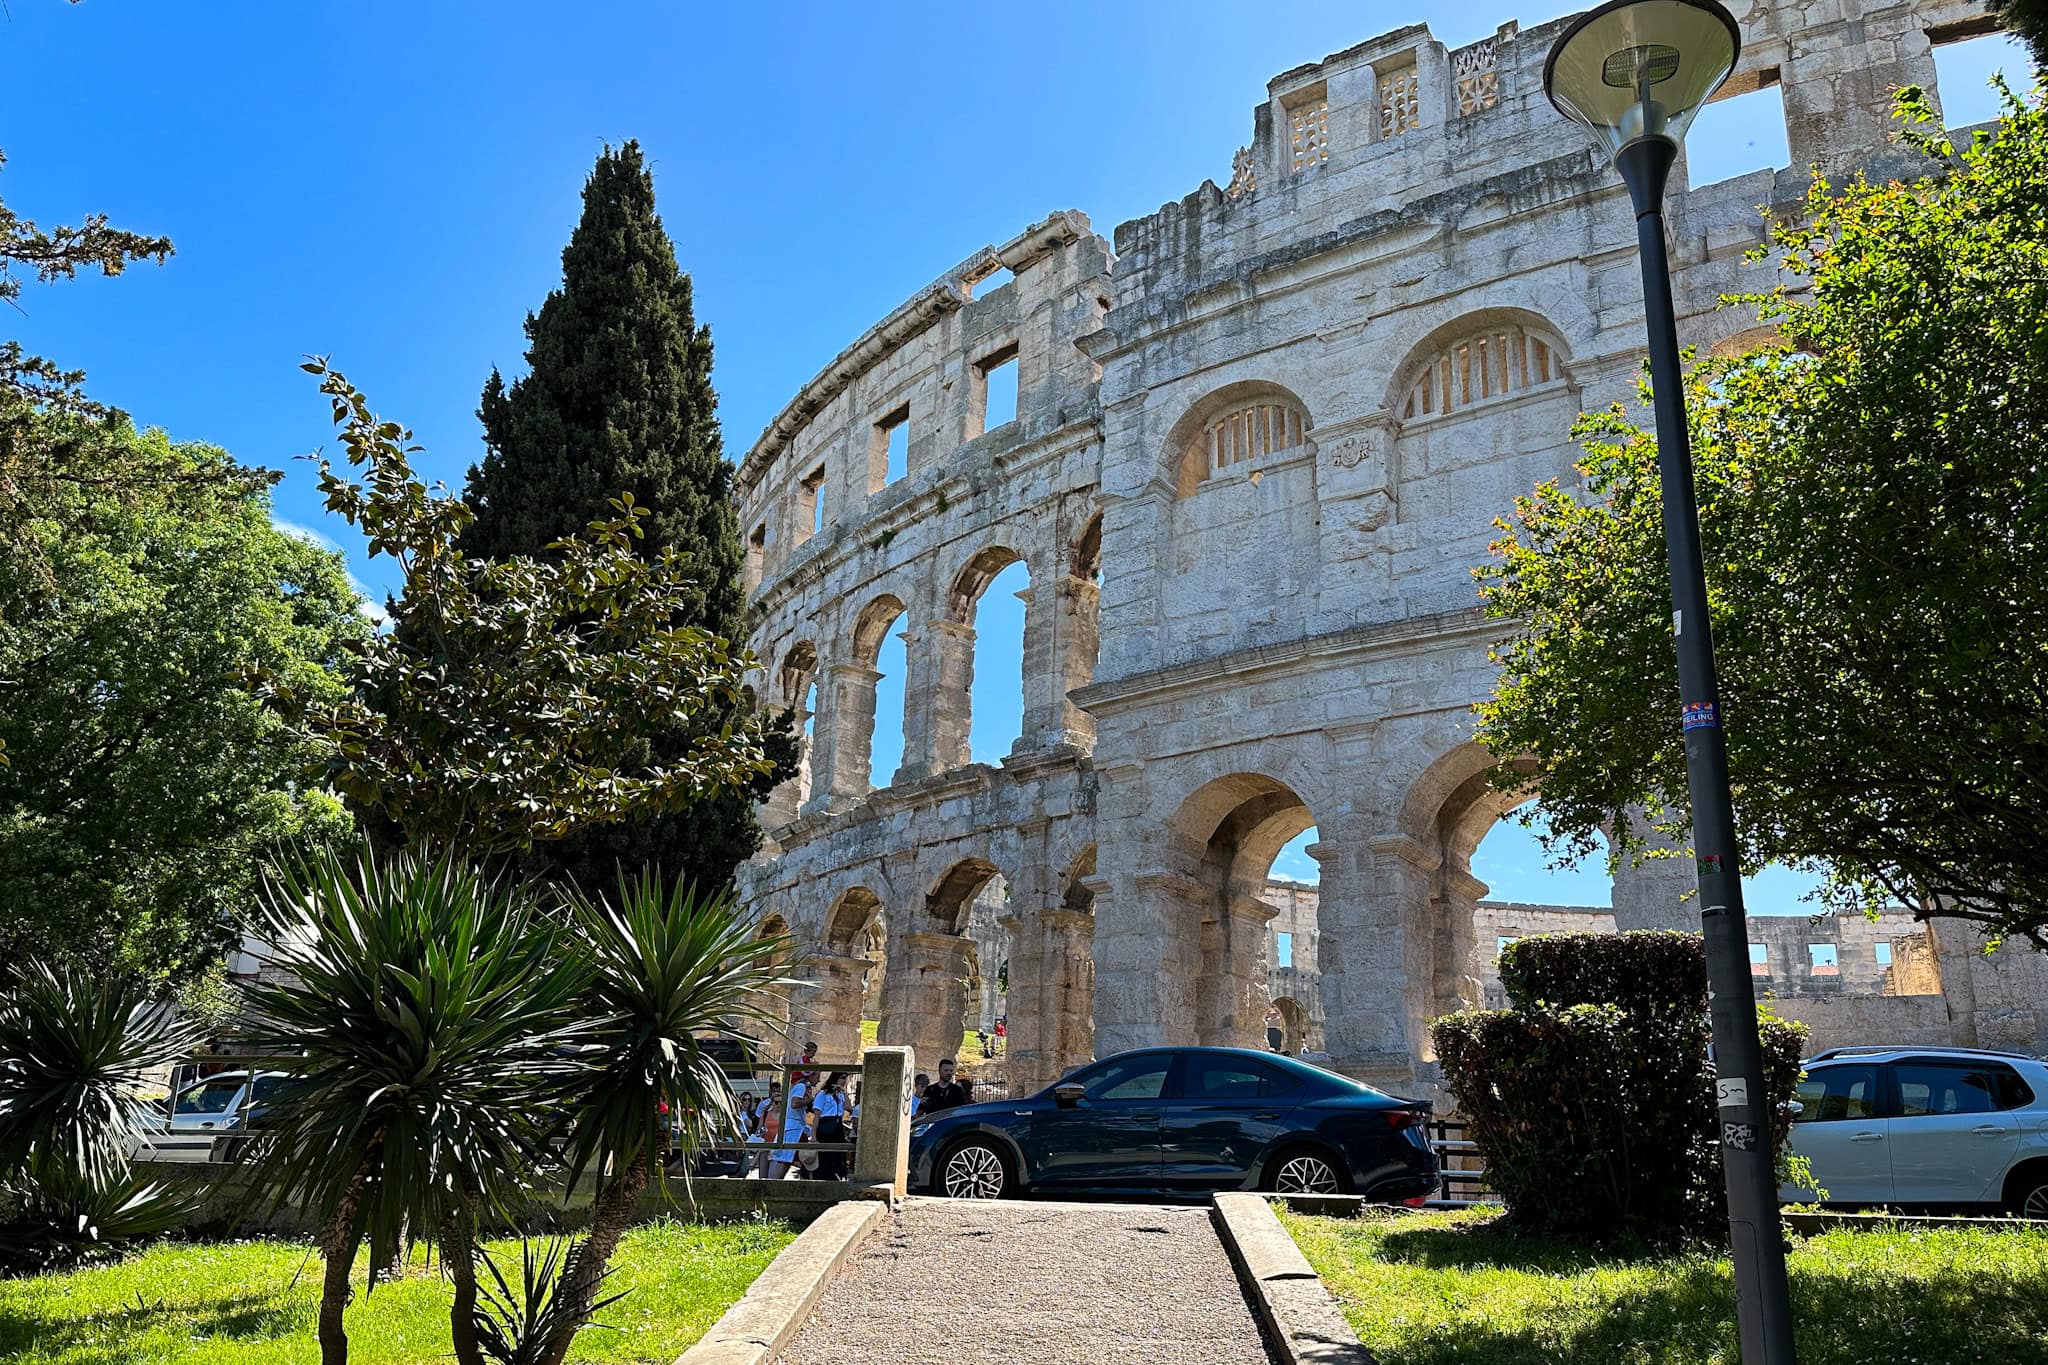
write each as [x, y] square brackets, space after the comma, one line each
[1444, 1289]
[239, 1303]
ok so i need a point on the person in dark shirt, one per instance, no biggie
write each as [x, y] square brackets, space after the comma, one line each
[946, 1092]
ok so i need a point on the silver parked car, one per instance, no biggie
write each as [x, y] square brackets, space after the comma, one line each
[185, 1128]
[1926, 1125]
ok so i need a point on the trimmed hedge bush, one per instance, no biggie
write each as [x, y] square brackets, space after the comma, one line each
[1644, 972]
[1596, 1116]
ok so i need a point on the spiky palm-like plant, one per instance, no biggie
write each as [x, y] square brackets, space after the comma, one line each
[77, 1053]
[430, 1018]
[517, 1326]
[666, 965]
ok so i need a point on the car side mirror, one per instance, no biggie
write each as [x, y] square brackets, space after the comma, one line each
[1797, 1108]
[1068, 1095]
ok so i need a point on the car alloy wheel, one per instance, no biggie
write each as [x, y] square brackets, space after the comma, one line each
[974, 1172]
[1306, 1174]
[2035, 1203]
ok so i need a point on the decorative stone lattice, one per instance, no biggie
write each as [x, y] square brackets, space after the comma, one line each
[1244, 176]
[1490, 365]
[1476, 77]
[1309, 125]
[1249, 432]
[1400, 107]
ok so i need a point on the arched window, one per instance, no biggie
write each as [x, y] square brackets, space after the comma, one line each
[1255, 429]
[1480, 367]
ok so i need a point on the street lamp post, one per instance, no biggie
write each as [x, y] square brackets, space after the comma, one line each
[1634, 73]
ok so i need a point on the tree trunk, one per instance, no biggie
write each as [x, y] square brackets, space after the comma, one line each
[458, 1258]
[338, 1250]
[610, 1216]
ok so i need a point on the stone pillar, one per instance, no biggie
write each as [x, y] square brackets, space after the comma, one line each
[1452, 984]
[1052, 996]
[1060, 642]
[842, 736]
[1233, 991]
[826, 1006]
[1375, 955]
[923, 993]
[945, 699]
[1657, 893]
[881, 1155]
[1148, 957]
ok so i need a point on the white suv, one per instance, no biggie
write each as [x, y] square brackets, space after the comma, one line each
[1925, 1125]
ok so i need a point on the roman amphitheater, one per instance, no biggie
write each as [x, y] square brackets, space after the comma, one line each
[1259, 441]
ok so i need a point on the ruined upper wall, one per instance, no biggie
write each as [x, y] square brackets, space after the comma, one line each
[1280, 462]
[1367, 141]
[926, 364]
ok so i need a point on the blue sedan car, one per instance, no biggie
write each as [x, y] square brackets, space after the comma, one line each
[1182, 1121]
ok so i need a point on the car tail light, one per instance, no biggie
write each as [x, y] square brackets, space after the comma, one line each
[1397, 1119]
[1417, 1202]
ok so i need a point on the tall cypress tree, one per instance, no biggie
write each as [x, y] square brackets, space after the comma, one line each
[618, 398]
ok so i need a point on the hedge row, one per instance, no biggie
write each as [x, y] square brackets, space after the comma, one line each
[1597, 1116]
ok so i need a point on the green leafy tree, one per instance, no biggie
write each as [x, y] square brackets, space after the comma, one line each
[618, 398]
[145, 780]
[39, 458]
[508, 704]
[1874, 509]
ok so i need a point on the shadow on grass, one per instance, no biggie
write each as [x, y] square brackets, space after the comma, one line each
[108, 1337]
[1843, 1314]
[1499, 1244]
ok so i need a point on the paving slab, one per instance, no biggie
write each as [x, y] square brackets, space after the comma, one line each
[1004, 1282]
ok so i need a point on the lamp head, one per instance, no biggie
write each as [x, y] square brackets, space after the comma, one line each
[1635, 69]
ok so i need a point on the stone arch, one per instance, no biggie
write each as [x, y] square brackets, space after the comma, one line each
[1448, 808]
[1476, 359]
[1224, 836]
[799, 670]
[1075, 893]
[1295, 1026]
[855, 689]
[871, 626]
[932, 960]
[975, 575]
[1746, 339]
[1084, 552]
[825, 1007]
[1233, 428]
[846, 927]
[793, 689]
[947, 903]
[954, 640]
[774, 1001]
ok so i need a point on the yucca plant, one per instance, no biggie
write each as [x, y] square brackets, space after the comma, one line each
[78, 1051]
[666, 965]
[517, 1326]
[429, 1020]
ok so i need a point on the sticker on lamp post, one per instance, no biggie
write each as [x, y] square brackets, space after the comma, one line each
[1699, 715]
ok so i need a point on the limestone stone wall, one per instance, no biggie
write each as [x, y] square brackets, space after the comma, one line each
[1276, 422]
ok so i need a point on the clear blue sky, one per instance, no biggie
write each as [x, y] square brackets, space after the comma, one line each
[391, 184]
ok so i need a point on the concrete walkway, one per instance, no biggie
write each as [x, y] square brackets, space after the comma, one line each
[1021, 1283]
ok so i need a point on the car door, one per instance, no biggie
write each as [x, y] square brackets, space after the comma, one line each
[1224, 1111]
[1951, 1135]
[1841, 1129]
[1109, 1137]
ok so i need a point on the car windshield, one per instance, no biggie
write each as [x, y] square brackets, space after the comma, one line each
[210, 1097]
